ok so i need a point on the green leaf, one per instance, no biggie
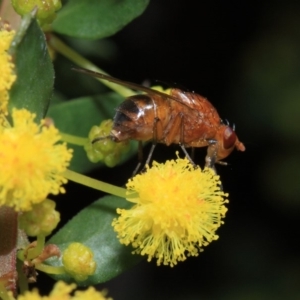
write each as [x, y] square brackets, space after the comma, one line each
[78, 116]
[92, 227]
[96, 19]
[35, 75]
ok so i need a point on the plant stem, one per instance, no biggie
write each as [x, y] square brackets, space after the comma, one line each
[95, 184]
[50, 269]
[22, 280]
[36, 251]
[72, 139]
[79, 60]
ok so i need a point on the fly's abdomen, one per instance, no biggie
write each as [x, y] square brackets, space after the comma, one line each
[134, 119]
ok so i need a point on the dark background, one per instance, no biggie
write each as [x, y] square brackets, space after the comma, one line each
[245, 57]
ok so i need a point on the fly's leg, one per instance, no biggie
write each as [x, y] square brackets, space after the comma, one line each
[150, 154]
[187, 155]
[181, 144]
[211, 156]
[140, 158]
[193, 153]
[178, 124]
[141, 161]
[157, 132]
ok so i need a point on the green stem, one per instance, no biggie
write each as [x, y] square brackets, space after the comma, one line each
[36, 251]
[50, 269]
[72, 139]
[22, 280]
[79, 60]
[95, 184]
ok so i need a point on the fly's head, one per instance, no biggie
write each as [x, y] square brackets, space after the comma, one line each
[227, 141]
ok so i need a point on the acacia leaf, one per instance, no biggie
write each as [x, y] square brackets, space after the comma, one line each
[35, 75]
[92, 227]
[95, 19]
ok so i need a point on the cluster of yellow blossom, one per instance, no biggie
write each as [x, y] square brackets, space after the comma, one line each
[177, 210]
[7, 77]
[32, 161]
[61, 291]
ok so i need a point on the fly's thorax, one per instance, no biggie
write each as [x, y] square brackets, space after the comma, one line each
[198, 103]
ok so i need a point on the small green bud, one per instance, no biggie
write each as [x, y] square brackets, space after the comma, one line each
[107, 146]
[46, 9]
[112, 159]
[106, 126]
[95, 131]
[104, 149]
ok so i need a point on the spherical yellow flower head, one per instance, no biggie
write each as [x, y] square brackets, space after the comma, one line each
[91, 294]
[61, 291]
[7, 77]
[32, 295]
[42, 219]
[78, 261]
[32, 162]
[177, 211]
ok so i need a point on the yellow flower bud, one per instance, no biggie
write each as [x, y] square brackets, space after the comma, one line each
[78, 261]
[42, 219]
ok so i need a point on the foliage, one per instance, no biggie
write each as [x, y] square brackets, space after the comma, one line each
[35, 49]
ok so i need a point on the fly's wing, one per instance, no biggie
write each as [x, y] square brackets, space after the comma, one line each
[128, 84]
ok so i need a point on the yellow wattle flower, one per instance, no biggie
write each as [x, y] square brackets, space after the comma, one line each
[7, 77]
[62, 291]
[32, 161]
[177, 211]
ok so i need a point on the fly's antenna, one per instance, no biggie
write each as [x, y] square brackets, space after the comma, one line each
[226, 122]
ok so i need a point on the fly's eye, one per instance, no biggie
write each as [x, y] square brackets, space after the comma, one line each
[229, 138]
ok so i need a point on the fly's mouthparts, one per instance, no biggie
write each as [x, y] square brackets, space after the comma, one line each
[97, 139]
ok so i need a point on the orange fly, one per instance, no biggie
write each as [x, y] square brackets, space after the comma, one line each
[177, 117]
